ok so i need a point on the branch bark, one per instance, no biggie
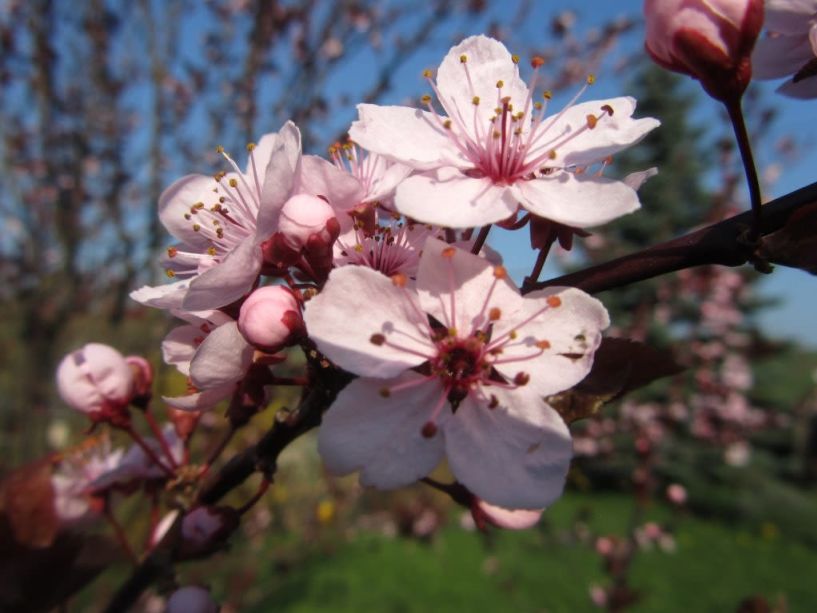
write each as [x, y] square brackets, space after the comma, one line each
[721, 243]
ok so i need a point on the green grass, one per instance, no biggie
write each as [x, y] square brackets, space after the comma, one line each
[714, 567]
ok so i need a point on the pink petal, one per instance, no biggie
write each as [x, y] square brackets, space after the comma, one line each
[280, 176]
[226, 282]
[179, 347]
[403, 134]
[573, 328]
[359, 302]
[222, 358]
[321, 178]
[381, 437]
[577, 200]
[510, 519]
[201, 401]
[470, 278]
[788, 16]
[176, 202]
[779, 56]
[506, 461]
[803, 90]
[168, 296]
[611, 134]
[448, 198]
[488, 62]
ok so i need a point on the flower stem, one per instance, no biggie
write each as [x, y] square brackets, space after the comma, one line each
[533, 277]
[137, 438]
[119, 532]
[262, 489]
[481, 237]
[745, 146]
[161, 438]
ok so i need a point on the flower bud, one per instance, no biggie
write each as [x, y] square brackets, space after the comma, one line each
[270, 317]
[191, 599]
[204, 529]
[96, 380]
[304, 216]
[710, 40]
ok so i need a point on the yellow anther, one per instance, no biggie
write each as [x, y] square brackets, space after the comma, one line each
[250, 146]
[547, 94]
[494, 314]
[170, 273]
[447, 124]
[537, 61]
[475, 100]
[554, 301]
[211, 251]
[591, 78]
[196, 227]
[592, 120]
[538, 105]
[500, 84]
[515, 58]
[171, 252]
[552, 154]
[426, 99]
[427, 73]
[449, 252]
[219, 149]
[543, 344]
[500, 272]
[233, 182]
[399, 279]
[463, 59]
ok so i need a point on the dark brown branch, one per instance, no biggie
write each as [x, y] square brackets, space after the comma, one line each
[261, 457]
[722, 243]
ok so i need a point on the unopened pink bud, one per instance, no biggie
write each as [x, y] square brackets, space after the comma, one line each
[710, 40]
[270, 317]
[191, 599]
[303, 216]
[204, 529]
[96, 380]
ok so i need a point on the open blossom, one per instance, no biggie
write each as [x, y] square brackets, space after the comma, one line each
[790, 48]
[494, 148]
[710, 40]
[223, 222]
[457, 365]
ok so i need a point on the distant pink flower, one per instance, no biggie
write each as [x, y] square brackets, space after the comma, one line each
[710, 40]
[790, 48]
[96, 380]
[495, 149]
[677, 494]
[191, 599]
[457, 366]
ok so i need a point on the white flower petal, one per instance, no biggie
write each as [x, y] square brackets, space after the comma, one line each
[380, 436]
[803, 90]
[279, 178]
[448, 198]
[222, 358]
[788, 16]
[488, 62]
[779, 56]
[577, 200]
[179, 347]
[611, 134]
[506, 461]
[168, 296]
[356, 303]
[176, 202]
[403, 134]
[201, 401]
[573, 330]
[510, 519]
[385, 182]
[227, 282]
[469, 278]
[321, 178]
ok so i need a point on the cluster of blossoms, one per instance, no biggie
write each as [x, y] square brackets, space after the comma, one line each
[371, 259]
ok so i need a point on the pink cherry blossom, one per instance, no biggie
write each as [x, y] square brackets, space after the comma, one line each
[457, 366]
[77, 470]
[270, 317]
[392, 247]
[790, 47]
[509, 519]
[495, 148]
[96, 380]
[710, 40]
